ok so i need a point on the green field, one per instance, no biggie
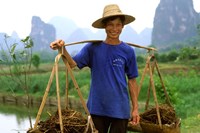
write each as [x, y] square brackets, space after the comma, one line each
[181, 82]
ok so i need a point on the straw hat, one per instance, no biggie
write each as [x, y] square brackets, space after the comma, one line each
[109, 11]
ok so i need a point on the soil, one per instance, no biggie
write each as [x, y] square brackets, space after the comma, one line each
[73, 122]
[167, 115]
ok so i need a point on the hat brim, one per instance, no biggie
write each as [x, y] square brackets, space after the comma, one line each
[98, 23]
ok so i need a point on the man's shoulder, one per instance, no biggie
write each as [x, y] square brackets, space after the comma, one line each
[127, 46]
[95, 43]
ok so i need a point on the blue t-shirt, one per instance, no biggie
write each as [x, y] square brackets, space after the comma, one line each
[109, 64]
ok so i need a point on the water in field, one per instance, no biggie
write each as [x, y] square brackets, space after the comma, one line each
[11, 124]
[14, 119]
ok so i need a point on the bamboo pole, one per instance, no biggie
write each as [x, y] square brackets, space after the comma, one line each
[75, 84]
[67, 89]
[58, 93]
[163, 86]
[155, 97]
[148, 96]
[79, 93]
[95, 41]
[149, 89]
[44, 98]
[143, 74]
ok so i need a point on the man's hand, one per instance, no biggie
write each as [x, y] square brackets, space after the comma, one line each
[57, 44]
[136, 118]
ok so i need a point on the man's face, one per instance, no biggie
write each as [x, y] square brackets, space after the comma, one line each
[114, 28]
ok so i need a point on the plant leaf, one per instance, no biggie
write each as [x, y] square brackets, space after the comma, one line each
[13, 56]
[13, 48]
[26, 39]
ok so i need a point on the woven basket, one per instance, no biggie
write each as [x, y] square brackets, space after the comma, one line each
[135, 128]
[154, 128]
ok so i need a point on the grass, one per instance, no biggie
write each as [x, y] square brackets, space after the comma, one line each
[181, 82]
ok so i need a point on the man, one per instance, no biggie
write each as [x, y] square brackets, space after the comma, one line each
[113, 64]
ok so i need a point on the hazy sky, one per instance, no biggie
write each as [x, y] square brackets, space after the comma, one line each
[16, 15]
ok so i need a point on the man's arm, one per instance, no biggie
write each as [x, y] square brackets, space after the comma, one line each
[133, 89]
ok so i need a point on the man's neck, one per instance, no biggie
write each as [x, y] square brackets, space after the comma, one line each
[112, 41]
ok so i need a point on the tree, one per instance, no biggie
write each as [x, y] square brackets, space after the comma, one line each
[189, 53]
[172, 55]
[140, 59]
[163, 57]
[18, 63]
[36, 61]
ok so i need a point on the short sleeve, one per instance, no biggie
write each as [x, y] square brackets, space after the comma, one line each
[131, 66]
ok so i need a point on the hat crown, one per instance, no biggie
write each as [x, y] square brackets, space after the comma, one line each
[112, 9]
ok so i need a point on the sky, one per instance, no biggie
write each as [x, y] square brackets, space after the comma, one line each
[16, 15]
